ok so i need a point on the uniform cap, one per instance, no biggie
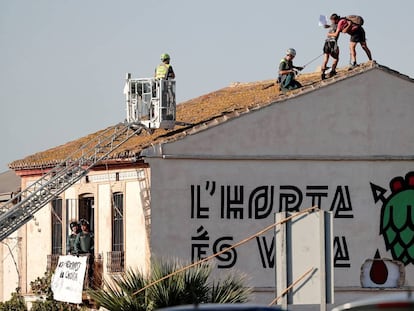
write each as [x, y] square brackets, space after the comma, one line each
[84, 222]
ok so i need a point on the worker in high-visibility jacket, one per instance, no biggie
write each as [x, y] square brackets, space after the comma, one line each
[164, 70]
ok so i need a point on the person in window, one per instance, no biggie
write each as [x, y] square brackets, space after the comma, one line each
[70, 241]
[84, 245]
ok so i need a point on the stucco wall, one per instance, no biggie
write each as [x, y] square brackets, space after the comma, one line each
[9, 252]
[136, 239]
[369, 114]
[343, 187]
[38, 242]
[32, 250]
[338, 147]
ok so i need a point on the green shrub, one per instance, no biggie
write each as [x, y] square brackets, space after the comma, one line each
[194, 285]
[16, 303]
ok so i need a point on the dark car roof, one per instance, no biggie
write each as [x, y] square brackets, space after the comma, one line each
[397, 301]
[224, 307]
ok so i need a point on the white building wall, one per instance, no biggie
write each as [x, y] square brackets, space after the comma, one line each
[330, 147]
[9, 252]
[38, 245]
[368, 114]
[136, 239]
[244, 186]
[34, 243]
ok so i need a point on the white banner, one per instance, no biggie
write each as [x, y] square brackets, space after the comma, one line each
[67, 281]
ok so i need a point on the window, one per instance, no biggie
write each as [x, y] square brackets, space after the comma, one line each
[86, 209]
[116, 261]
[118, 222]
[57, 226]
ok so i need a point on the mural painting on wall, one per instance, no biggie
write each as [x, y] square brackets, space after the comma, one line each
[242, 203]
[231, 202]
[397, 217]
[397, 229]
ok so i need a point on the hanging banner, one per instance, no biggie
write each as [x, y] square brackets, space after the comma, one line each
[67, 281]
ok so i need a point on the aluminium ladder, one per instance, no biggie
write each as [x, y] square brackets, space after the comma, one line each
[61, 177]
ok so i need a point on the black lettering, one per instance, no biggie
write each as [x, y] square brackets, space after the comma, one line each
[290, 202]
[229, 208]
[261, 202]
[317, 195]
[341, 254]
[267, 252]
[341, 203]
[198, 249]
[197, 211]
[229, 257]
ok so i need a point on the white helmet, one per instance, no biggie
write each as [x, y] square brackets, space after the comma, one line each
[291, 51]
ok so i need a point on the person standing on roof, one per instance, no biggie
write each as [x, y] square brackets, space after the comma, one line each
[357, 34]
[331, 48]
[287, 73]
[164, 70]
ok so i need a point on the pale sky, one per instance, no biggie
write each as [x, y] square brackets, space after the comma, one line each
[63, 63]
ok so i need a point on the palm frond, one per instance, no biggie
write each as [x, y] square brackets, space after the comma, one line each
[117, 294]
[231, 290]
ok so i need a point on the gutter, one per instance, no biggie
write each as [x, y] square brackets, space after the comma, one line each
[282, 157]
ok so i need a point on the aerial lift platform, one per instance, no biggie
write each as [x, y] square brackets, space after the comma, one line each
[150, 105]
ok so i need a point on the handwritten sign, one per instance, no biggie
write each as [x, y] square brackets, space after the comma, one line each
[67, 281]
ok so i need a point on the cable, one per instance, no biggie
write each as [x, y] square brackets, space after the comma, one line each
[307, 210]
[312, 60]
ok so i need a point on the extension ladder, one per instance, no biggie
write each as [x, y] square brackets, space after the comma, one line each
[77, 165]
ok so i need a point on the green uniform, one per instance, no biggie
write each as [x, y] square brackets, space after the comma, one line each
[70, 243]
[287, 81]
[84, 243]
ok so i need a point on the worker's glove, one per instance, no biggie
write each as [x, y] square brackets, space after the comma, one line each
[300, 68]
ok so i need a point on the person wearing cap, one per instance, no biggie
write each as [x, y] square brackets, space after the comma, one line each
[287, 72]
[70, 241]
[84, 243]
[164, 70]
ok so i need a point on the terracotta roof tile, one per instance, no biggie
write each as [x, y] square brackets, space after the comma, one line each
[198, 114]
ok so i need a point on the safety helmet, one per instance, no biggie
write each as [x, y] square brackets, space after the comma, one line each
[291, 51]
[73, 224]
[84, 222]
[165, 56]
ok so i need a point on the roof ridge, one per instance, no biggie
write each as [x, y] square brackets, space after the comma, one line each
[203, 112]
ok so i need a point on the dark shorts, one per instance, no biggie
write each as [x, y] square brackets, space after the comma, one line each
[358, 35]
[331, 48]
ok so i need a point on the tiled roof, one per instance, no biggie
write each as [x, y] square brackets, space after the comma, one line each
[200, 113]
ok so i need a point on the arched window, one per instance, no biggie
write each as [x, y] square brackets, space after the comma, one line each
[86, 209]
